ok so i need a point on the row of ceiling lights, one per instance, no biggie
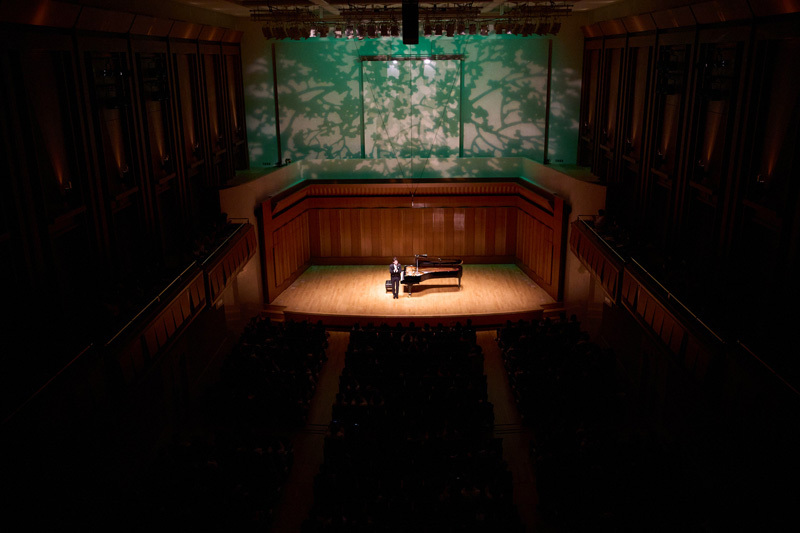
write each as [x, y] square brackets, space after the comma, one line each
[369, 22]
[374, 31]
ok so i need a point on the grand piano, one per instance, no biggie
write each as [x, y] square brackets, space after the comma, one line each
[431, 268]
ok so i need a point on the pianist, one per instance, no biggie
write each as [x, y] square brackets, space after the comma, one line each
[395, 270]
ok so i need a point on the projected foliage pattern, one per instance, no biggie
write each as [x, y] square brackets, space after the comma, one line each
[505, 98]
[410, 110]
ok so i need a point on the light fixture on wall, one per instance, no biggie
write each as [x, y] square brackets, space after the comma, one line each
[659, 160]
[628, 146]
[125, 173]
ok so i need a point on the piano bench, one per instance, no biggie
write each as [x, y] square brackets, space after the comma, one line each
[388, 285]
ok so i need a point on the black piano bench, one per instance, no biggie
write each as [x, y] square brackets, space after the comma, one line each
[388, 285]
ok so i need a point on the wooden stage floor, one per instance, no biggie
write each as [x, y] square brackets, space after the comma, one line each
[342, 295]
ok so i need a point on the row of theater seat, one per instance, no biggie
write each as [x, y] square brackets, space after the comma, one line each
[410, 445]
[272, 372]
[212, 483]
[598, 464]
[228, 475]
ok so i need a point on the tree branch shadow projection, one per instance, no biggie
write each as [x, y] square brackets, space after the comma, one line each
[260, 105]
[564, 127]
[410, 109]
[320, 102]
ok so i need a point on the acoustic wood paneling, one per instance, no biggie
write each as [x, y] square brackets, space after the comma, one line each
[595, 256]
[221, 273]
[721, 11]
[39, 13]
[185, 30]
[103, 20]
[232, 36]
[151, 26]
[639, 23]
[535, 249]
[135, 357]
[612, 27]
[671, 329]
[211, 33]
[679, 17]
[291, 248]
[447, 231]
[368, 223]
[767, 8]
[592, 31]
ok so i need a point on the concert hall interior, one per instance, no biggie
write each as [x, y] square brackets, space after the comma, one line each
[597, 204]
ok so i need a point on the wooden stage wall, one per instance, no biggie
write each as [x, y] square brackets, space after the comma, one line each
[498, 221]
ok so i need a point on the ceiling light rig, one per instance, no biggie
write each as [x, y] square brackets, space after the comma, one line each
[373, 21]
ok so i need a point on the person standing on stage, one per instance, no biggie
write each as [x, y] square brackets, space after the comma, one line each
[394, 271]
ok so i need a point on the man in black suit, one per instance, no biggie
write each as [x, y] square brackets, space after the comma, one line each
[394, 271]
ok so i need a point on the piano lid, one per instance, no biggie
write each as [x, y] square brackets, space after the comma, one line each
[442, 261]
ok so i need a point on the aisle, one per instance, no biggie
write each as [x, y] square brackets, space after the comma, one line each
[298, 493]
[308, 444]
[508, 426]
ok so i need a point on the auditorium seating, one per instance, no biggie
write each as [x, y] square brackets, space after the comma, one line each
[598, 464]
[228, 474]
[272, 373]
[214, 483]
[410, 444]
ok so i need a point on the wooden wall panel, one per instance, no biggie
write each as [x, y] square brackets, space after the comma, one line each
[292, 247]
[597, 258]
[220, 273]
[535, 249]
[368, 223]
[441, 232]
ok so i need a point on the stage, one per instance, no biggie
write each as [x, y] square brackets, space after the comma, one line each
[342, 295]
